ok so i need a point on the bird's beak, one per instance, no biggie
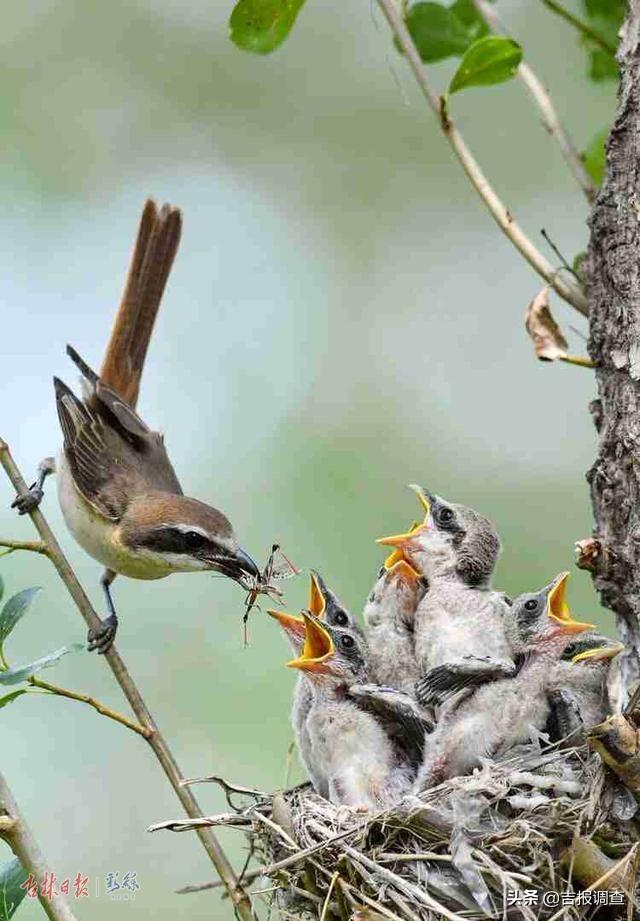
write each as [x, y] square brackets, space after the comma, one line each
[400, 542]
[290, 623]
[600, 654]
[318, 648]
[402, 572]
[240, 560]
[396, 556]
[558, 609]
[424, 496]
[317, 601]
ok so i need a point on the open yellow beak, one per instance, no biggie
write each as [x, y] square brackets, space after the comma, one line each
[558, 609]
[423, 496]
[290, 623]
[402, 572]
[396, 556]
[600, 654]
[317, 603]
[318, 647]
[400, 541]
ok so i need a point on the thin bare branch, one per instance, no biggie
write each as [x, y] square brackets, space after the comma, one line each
[568, 290]
[33, 546]
[15, 831]
[548, 112]
[101, 708]
[156, 740]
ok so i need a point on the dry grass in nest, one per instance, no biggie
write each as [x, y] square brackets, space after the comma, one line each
[453, 852]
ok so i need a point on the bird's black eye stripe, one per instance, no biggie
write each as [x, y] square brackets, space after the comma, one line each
[194, 540]
[174, 540]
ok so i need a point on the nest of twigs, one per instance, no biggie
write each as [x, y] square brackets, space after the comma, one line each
[489, 845]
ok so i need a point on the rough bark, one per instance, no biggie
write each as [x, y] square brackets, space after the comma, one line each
[613, 286]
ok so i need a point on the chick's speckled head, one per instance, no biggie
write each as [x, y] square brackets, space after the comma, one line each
[453, 540]
[331, 654]
[326, 606]
[592, 650]
[536, 619]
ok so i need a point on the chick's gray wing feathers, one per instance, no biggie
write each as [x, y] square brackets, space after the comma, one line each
[442, 682]
[398, 714]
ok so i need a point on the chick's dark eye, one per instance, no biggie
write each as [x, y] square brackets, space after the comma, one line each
[347, 642]
[341, 619]
[531, 604]
[445, 515]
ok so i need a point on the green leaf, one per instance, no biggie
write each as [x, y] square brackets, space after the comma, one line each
[595, 156]
[13, 695]
[14, 609]
[261, 26]
[467, 13]
[16, 675]
[490, 60]
[607, 15]
[437, 32]
[602, 66]
[1, 588]
[12, 877]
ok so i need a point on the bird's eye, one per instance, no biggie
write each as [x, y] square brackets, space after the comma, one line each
[341, 619]
[347, 642]
[445, 515]
[531, 604]
[195, 540]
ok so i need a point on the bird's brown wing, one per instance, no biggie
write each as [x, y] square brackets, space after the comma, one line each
[89, 459]
[153, 255]
[135, 455]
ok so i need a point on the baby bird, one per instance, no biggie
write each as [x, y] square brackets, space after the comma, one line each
[489, 720]
[578, 688]
[324, 605]
[364, 769]
[389, 623]
[459, 623]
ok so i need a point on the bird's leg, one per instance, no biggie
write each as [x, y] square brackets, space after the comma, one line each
[101, 638]
[27, 501]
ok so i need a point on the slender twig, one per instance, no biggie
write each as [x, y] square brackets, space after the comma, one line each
[580, 25]
[101, 708]
[15, 831]
[577, 360]
[120, 672]
[548, 112]
[568, 290]
[34, 546]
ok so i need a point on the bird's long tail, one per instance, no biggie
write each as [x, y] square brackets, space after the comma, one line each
[153, 254]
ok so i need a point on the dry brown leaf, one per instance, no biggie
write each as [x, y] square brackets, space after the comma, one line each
[548, 341]
[588, 551]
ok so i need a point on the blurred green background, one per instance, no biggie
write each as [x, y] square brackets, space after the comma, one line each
[343, 319]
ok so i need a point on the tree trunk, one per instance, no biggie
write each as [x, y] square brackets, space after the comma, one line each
[612, 272]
